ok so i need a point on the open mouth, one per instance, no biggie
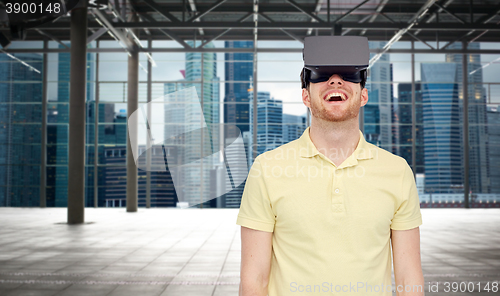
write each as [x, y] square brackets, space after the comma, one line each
[336, 97]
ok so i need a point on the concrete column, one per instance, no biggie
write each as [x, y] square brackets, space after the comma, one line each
[465, 95]
[77, 112]
[132, 105]
[43, 161]
[148, 140]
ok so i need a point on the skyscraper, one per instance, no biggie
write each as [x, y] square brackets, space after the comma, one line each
[378, 111]
[269, 123]
[442, 126]
[201, 72]
[238, 74]
[293, 127]
[20, 129]
[405, 125]
[478, 162]
[493, 116]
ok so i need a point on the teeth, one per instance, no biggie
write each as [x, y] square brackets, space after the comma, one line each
[341, 95]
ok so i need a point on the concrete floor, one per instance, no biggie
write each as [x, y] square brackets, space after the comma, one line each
[197, 251]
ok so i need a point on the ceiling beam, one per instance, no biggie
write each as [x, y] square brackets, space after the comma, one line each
[350, 11]
[99, 16]
[293, 25]
[317, 9]
[284, 25]
[51, 37]
[409, 8]
[97, 34]
[408, 32]
[378, 10]
[166, 32]
[251, 50]
[206, 11]
[303, 10]
[161, 10]
[413, 21]
[450, 13]
[214, 38]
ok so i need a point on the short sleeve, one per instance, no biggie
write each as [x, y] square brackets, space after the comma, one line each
[255, 209]
[408, 214]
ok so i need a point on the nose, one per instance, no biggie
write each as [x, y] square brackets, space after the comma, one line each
[336, 79]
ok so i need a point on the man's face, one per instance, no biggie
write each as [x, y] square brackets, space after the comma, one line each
[335, 100]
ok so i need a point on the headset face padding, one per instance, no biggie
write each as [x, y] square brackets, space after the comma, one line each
[315, 77]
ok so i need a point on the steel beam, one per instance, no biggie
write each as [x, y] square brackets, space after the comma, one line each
[413, 21]
[164, 12]
[380, 26]
[192, 5]
[298, 38]
[488, 17]
[51, 37]
[350, 11]
[167, 32]
[112, 27]
[408, 32]
[435, 10]
[450, 13]
[214, 38]
[296, 5]
[247, 50]
[224, 32]
[97, 34]
[205, 12]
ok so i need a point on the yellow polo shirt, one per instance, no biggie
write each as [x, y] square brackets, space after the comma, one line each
[331, 224]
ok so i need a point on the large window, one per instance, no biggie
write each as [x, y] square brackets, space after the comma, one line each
[414, 110]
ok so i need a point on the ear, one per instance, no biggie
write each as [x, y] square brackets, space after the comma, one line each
[364, 96]
[306, 99]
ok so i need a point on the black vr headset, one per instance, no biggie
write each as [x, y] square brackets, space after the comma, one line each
[347, 56]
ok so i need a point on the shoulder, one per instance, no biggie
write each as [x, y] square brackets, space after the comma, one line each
[388, 159]
[284, 153]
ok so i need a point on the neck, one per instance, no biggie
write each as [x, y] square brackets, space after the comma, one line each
[335, 140]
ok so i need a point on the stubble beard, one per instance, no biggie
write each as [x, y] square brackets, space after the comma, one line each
[319, 111]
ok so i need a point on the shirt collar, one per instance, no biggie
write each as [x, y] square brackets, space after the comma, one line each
[364, 150]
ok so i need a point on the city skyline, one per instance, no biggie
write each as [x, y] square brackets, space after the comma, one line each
[213, 93]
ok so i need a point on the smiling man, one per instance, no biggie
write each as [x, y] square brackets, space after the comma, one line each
[319, 214]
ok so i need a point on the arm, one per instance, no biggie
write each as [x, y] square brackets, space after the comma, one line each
[407, 265]
[256, 249]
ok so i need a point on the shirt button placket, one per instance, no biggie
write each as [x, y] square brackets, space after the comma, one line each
[337, 199]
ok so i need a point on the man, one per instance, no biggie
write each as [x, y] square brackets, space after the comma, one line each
[319, 214]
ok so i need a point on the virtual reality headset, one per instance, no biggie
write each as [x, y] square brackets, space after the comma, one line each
[347, 56]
